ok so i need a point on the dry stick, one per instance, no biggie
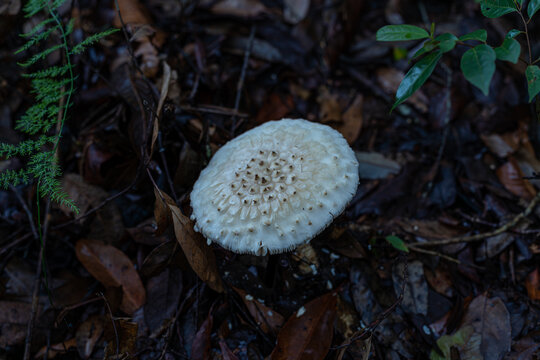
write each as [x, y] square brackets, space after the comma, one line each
[240, 84]
[435, 253]
[100, 294]
[477, 237]
[37, 284]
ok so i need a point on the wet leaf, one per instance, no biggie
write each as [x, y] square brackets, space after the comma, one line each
[200, 349]
[308, 332]
[372, 165]
[491, 321]
[112, 268]
[162, 293]
[198, 253]
[266, 318]
[415, 299]
[511, 177]
[497, 8]
[533, 80]
[88, 334]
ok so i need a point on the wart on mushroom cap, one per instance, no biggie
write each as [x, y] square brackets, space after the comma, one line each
[274, 187]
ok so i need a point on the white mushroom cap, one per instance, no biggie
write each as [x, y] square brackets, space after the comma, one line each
[274, 187]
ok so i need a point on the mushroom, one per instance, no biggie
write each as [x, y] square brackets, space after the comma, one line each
[274, 187]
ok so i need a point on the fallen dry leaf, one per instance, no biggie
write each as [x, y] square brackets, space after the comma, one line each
[198, 253]
[275, 107]
[352, 120]
[533, 284]
[88, 334]
[55, 349]
[200, 348]
[162, 213]
[112, 268]
[126, 333]
[308, 332]
[330, 106]
[266, 318]
[511, 177]
[241, 8]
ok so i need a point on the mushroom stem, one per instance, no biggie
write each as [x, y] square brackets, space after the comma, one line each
[271, 270]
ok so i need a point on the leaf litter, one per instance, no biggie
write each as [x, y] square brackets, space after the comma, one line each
[129, 276]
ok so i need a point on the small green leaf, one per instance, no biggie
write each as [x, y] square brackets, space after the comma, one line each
[513, 33]
[534, 6]
[401, 33]
[478, 66]
[397, 243]
[480, 35]
[533, 80]
[508, 51]
[416, 77]
[399, 53]
[446, 41]
[428, 46]
[497, 8]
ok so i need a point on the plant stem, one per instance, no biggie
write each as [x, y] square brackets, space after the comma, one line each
[526, 36]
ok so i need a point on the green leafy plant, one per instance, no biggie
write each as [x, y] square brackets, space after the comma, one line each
[477, 63]
[53, 88]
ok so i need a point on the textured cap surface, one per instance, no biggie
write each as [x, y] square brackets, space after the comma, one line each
[274, 187]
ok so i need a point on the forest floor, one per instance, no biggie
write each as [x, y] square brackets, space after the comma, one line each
[125, 279]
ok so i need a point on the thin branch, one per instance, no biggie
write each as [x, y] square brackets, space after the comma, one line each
[471, 238]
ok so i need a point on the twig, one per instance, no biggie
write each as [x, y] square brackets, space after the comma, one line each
[37, 284]
[100, 294]
[477, 237]
[434, 253]
[212, 109]
[27, 210]
[240, 84]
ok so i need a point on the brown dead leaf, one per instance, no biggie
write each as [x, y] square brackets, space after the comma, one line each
[330, 106]
[308, 261]
[226, 352]
[107, 224]
[112, 268]
[352, 120]
[308, 332]
[275, 107]
[127, 339]
[88, 334]
[267, 319]
[241, 8]
[55, 349]
[198, 253]
[200, 348]
[133, 12]
[511, 177]
[14, 316]
[533, 284]
[162, 213]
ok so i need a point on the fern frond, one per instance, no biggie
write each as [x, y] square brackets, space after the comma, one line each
[37, 28]
[80, 47]
[34, 40]
[24, 148]
[32, 7]
[41, 55]
[38, 118]
[14, 177]
[52, 72]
